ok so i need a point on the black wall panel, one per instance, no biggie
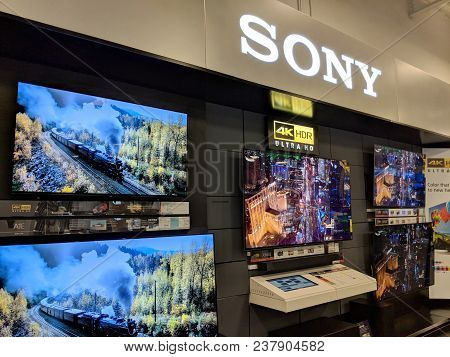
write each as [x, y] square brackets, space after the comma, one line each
[263, 320]
[359, 213]
[233, 316]
[223, 127]
[361, 236]
[358, 185]
[369, 141]
[224, 116]
[346, 145]
[325, 310]
[357, 258]
[229, 245]
[223, 172]
[400, 145]
[324, 142]
[224, 212]
[232, 279]
[254, 130]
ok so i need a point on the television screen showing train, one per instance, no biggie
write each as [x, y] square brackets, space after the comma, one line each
[161, 287]
[73, 143]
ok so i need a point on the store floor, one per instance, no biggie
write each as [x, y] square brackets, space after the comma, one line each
[441, 308]
[439, 316]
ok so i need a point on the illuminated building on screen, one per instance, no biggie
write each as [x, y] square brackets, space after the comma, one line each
[291, 200]
[264, 214]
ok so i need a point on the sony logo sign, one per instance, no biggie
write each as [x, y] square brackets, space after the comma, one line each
[341, 66]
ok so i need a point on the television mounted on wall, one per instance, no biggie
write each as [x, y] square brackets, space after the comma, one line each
[79, 144]
[161, 287]
[401, 259]
[399, 178]
[294, 199]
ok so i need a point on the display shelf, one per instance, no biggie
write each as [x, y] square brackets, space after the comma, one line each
[276, 266]
[64, 209]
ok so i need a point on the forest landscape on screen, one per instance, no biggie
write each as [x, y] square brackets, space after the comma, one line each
[142, 287]
[72, 143]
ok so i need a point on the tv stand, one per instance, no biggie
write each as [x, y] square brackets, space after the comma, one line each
[299, 289]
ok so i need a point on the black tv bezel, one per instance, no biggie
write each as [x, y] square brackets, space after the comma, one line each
[373, 179]
[55, 196]
[244, 226]
[430, 277]
[128, 236]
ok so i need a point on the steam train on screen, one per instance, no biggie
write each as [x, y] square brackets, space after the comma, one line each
[90, 323]
[112, 167]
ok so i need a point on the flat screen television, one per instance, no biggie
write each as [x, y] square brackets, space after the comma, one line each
[146, 287]
[295, 199]
[401, 259]
[399, 178]
[73, 143]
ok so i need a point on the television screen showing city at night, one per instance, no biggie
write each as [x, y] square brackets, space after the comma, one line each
[399, 178]
[401, 259]
[294, 199]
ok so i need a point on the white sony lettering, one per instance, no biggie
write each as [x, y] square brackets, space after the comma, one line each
[333, 62]
[370, 79]
[288, 48]
[259, 38]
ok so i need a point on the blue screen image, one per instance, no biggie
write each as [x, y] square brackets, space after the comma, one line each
[128, 287]
[291, 283]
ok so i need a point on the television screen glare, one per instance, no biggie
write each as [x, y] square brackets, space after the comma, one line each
[73, 143]
[399, 178]
[401, 259]
[139, 287]
[294, 199]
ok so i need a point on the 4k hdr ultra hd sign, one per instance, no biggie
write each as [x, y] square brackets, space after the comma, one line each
[294, 137]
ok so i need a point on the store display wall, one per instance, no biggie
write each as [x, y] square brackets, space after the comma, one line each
[218, 134]
[228, 125]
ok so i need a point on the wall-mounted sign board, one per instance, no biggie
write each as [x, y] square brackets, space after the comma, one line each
[292, 136]
[291, 104]
[262, 41]
[266, 42]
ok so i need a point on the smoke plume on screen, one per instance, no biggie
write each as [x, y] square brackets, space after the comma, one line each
[109, 275]
[63, 109]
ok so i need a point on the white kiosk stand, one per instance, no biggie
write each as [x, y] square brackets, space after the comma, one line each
[300, 289]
